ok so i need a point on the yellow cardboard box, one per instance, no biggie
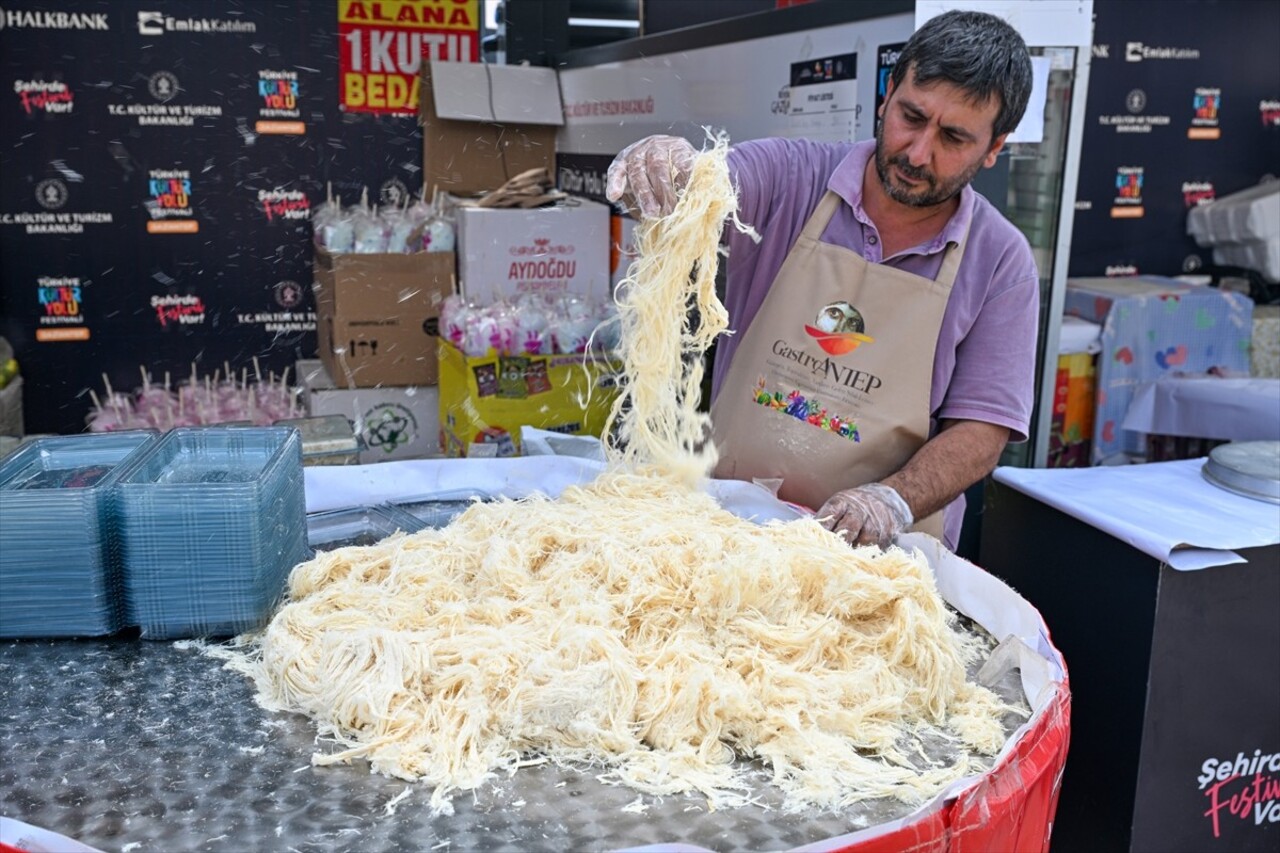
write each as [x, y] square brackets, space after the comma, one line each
[485, 400]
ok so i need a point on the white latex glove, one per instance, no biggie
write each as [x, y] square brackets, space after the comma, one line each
[649, 175]
[873, 514]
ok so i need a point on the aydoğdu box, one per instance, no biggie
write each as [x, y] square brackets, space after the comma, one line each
[504, 252]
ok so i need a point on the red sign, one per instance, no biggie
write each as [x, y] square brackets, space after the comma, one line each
[383, 43]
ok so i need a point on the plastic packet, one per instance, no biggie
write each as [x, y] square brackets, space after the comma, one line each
[533, 326]
[438, 235]
[370, 232]
[398, 226]
[503, 335]
[454, 316]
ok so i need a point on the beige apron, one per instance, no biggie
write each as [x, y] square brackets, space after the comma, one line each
[829, 388]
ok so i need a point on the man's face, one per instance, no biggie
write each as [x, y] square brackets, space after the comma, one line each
[932, 141]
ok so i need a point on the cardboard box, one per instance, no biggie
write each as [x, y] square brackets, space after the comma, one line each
[393, 422]
[378, 315]
[506, 252]
[485, 400]
[483, 124]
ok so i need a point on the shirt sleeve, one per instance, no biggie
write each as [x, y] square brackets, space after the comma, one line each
[994, 377]
[753, 174]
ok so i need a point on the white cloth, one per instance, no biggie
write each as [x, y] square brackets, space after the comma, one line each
[1164, 509]
[1077, 334]
[1245, 409]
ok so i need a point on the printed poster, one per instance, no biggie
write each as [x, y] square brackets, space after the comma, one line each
[382, 44]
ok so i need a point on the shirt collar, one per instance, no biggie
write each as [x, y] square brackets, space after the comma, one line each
[846, 182]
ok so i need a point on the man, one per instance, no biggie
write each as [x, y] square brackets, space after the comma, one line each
[886, 323]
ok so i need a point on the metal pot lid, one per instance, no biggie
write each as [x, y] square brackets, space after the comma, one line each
[1248, 468]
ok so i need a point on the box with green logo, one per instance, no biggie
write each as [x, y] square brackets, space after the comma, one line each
[394, 422]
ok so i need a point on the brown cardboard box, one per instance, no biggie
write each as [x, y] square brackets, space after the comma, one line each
[377, 315]
[484, 124]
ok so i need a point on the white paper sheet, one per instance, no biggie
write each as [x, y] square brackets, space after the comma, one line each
[1164, 509]
[1031, 128]
[342, 486]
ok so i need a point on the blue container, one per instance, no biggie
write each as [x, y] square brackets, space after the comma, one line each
[211, 522]
[59, 562]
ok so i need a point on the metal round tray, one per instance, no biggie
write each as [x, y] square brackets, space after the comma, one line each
[1248, 468]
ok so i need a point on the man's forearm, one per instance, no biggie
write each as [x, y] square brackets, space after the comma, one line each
[961, 454]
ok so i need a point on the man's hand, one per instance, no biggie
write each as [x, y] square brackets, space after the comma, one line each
[873, 514]
[651, 174]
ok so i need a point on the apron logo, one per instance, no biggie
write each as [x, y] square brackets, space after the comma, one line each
[838, 329]
[806, 411]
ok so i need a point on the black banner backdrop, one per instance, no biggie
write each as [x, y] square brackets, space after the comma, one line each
[1183, 107]
[158, 163]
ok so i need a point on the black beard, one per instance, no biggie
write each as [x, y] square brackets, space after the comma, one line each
[933, 194]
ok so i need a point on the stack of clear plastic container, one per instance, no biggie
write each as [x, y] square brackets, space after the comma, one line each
[440, 509]
[59, 566]
[358, 526]
[211, 521]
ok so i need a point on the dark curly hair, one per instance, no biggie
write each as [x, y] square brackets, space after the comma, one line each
[976, 52]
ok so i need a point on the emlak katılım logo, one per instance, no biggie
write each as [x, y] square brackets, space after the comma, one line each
[283, 205]
[47, 97]
[1128, 200]
[169, 203]
[1205, 104]
[1136, 51]
[1245, 788]
[158, 24]
[278, 94]
[46, 20]
[839, 329]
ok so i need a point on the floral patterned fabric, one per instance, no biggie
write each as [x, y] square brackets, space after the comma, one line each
[1154, 327]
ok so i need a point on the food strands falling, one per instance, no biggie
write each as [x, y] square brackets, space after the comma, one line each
[632, 627]
[659, 425]
[222, 397]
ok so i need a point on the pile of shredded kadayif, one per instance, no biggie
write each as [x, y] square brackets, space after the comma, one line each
[632, 624]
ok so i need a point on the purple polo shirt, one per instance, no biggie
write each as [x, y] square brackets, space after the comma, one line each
[984, 365]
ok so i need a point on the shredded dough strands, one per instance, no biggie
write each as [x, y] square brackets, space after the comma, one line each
[632, 624]
[675, 270]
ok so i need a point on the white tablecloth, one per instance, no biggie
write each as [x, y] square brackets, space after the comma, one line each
[1246, 409]
[1164, 509]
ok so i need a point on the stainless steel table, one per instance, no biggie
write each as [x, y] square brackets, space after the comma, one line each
[131, 743]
